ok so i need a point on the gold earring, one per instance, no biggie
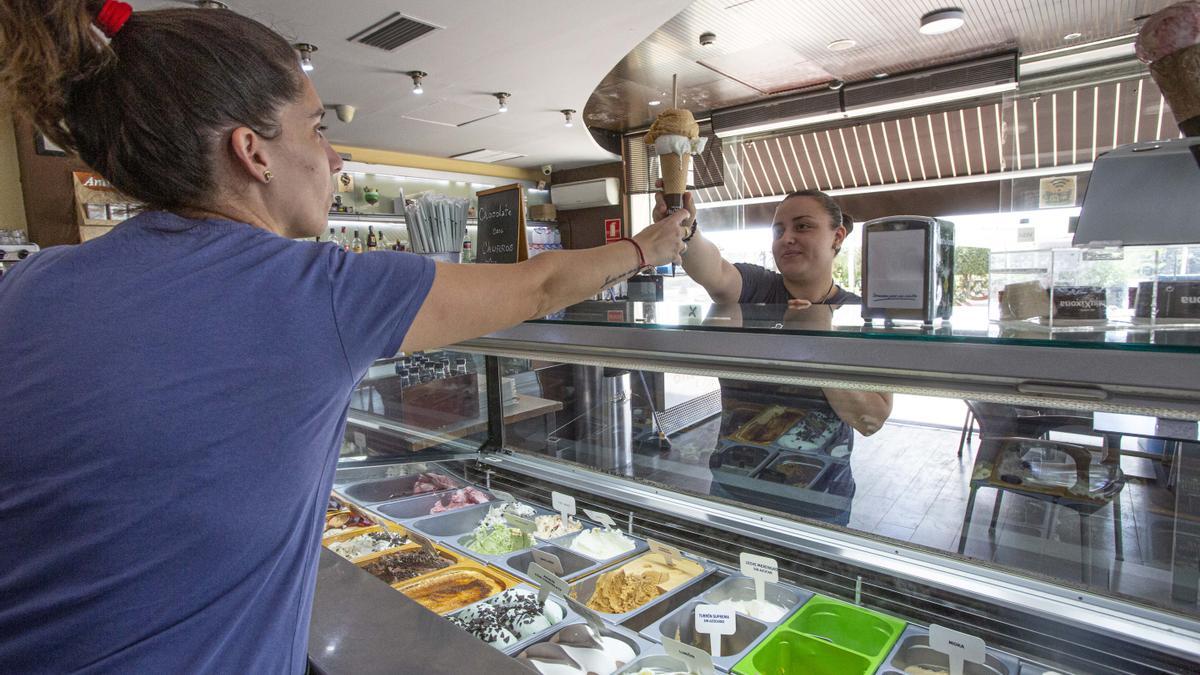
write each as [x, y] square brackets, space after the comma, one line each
[267, 175]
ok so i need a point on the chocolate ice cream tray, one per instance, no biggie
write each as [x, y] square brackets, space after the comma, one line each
[448, 555]
[680, 624]
[475, 582]
[569, 617]
[912, 649]
[639, 644]
[346, 536]
[740, 459]
[575, 565]
[583, 589]
[379, 490]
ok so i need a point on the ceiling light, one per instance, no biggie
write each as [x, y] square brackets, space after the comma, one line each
[841, 45]
[417, 76]
[567, 114]
[211, 4]
[1072, 36]
[880, 76]
[306, 51]
[502, 97]
[654, 103]
[942, 21]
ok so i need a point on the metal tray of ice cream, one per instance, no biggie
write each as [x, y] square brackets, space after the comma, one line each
[912, 649]
[501, 560]
[659, 661]
[679, 625]
[569, 617]
[583, 589]
[575, 565]
[639, 644]
[379, 490]
[717, 462]
[454, 528]
[410, 509]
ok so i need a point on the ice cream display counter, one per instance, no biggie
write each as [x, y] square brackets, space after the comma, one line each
[1027, 505]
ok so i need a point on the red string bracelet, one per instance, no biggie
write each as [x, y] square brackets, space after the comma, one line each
[641, 256]
[112, 17]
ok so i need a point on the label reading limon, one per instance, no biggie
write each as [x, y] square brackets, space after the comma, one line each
[547, 582]
[960, 647]
[523, 524]
[696, 660]
[762, 570]
[547, 560]
[504, 496]
[601, 518]
[669, 553]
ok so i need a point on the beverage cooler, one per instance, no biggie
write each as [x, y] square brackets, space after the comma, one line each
[599, 492]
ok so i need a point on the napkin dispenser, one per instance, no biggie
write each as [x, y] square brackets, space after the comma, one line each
[908, 269]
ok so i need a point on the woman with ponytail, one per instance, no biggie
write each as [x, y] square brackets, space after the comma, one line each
[175, 391]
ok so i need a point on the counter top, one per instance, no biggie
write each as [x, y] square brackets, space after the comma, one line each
[361, 626]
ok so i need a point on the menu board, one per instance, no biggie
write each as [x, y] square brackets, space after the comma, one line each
[501, 216]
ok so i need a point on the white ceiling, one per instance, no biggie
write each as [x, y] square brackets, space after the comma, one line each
[548, 55]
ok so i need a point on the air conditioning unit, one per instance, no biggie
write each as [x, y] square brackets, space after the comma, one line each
[586, 194]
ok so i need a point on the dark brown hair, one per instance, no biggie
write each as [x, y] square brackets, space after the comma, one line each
[831, 207]
[149, 109]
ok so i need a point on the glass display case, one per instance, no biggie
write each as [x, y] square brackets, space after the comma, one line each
[1037, 491]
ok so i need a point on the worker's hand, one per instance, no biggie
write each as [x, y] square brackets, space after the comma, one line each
[662, 242]
[660, 205]
[799, 303]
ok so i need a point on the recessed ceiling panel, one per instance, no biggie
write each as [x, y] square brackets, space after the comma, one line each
[771, 68]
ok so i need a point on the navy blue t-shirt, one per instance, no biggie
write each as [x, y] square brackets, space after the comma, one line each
[172, 405]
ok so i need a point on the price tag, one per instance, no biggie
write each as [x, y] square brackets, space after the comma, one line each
[426, 544]
[601, 518]
[593, 619]
[564, 504]
[696, 660]
[360, 439]
[547, 560]
[504, 496]
[547, 582]
[669, 553]
[960, 647]
[715, 621]
[523, 524]
[762, 570]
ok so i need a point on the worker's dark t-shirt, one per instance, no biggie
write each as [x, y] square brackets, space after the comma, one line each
[174, 400]
[761, 285]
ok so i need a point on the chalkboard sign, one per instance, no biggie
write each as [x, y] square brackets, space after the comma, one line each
[501, 216]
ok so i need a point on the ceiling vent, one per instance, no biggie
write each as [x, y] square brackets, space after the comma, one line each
[392, 32]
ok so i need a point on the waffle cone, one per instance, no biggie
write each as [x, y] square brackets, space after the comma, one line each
[1178, 76]
[674, 173]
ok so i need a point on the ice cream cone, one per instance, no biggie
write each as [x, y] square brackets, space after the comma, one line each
[1178, 76]
[675, 173]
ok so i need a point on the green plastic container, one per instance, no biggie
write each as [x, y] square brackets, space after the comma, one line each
[845, 638]
[790, 653]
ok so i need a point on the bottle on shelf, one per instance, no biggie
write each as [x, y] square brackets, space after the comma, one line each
[380, 243]
[372, 243]
[356, 245]
[332, 236]
[343, 241]
[468, 253]
[460, 366]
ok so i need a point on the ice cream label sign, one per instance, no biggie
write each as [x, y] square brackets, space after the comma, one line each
[696, 660]
[547, 560]
[601, 518]
[547, 582]
[502, 225]
[669, 553]
[762, 570]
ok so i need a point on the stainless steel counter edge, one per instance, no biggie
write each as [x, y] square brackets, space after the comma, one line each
[1164, 631]
[1124, 379]
[360, 625]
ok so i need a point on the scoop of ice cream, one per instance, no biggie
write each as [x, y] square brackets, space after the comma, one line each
[402, 566]
[366, 544]
[460, 499]
[498, 540]
[755, 609]
[510, 617]
[602, 544]
[594, 653]
[674, 144]
[673, 121]
[552, 527]
[1174, 28]
[620, 591]
[495, 515]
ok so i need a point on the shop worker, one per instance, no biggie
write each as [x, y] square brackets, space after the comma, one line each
[175, 391]
[807, 235]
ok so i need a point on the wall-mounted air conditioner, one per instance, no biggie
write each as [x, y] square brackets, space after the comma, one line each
[586, 194]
